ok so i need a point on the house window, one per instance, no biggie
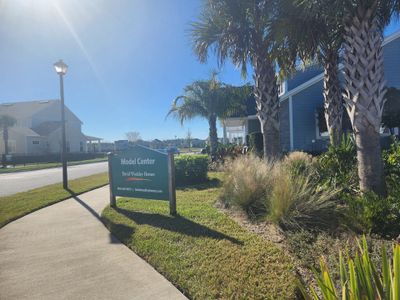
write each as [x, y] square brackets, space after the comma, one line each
[35, 142]
[81, 146]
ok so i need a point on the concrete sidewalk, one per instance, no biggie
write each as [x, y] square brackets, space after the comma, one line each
[65, 252]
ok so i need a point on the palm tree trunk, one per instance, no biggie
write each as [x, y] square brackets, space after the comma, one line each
[333, 105]
[212, 122]
[364, 94]
[5, 139]
[267, 101]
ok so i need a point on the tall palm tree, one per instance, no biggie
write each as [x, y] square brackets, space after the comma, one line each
[240, 30]
[365, 84]
[6, 122]
[313, 30]
[210, 100]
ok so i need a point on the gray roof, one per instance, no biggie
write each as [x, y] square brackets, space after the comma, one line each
[23, 131]
[45, 128]
[21, 110]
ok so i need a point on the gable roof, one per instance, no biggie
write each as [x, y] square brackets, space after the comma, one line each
[45, 128]
[23, 131]
[26, 109]
[21, 110]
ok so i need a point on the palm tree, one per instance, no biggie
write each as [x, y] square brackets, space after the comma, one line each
[365, 84]
[240, 29]
[210, 100]
[6, 121]
[313, 30]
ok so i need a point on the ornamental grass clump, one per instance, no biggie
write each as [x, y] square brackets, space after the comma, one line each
[359, 278]
[247, 184]
[296, 203]
[299, 163]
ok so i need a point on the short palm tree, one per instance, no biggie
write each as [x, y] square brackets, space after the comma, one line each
[6, 122]
[314, 31]
[210, 100]
[365, 84]
[240, 30]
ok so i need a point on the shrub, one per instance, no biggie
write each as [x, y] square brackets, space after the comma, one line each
[296, 203]
[337, 167]
[375, 214]
[391, 160]
[191, 169]
[255, 143]
[248, 180]
[226, 151]
[359, 279]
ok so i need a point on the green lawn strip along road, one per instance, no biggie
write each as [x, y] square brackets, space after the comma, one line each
[15, 206]
[202, 251]
[41, 166]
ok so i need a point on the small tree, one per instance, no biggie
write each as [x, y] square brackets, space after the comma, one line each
[133, 136]
[6, 122]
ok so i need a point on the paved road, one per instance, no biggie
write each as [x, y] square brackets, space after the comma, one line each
[12, 183]
[64, 252]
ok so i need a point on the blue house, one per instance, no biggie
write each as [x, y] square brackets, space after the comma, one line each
[300, 99]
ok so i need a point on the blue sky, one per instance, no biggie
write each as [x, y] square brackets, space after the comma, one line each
[128, 59]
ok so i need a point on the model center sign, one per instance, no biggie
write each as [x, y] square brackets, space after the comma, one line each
[140, 172]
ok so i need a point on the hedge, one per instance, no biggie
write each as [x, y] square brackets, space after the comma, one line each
[191, 169]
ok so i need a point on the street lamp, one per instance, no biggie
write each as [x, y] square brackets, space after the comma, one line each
[61, 69]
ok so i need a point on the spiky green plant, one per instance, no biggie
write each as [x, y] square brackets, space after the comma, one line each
[360, 279]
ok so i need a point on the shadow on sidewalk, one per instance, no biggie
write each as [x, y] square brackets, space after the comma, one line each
[176, 224]
[113, 239]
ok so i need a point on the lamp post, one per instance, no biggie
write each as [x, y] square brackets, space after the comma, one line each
[61, 69]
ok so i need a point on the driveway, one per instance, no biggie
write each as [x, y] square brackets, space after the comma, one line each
[64, 252]
[11, 183]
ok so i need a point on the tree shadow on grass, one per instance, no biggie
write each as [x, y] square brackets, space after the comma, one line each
[176, 224]
[212, 183]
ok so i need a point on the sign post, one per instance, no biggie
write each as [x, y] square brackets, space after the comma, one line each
[113, 202]
[141, 172]
[171, 183]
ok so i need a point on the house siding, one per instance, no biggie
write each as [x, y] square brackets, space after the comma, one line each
[391, 54]
[285, 126]
[254, 126]
[305, 104]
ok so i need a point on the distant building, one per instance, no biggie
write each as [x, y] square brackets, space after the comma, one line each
[38, 128]
[121, 145]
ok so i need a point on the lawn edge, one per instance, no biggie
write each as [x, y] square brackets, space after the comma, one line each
[49, 204]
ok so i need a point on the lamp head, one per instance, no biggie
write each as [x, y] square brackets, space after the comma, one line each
[61, 67]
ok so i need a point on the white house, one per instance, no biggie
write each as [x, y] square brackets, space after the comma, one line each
[38, 128]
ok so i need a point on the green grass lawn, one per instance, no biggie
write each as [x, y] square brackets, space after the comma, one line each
[202, 251]
[40, 166]
[17, 205]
